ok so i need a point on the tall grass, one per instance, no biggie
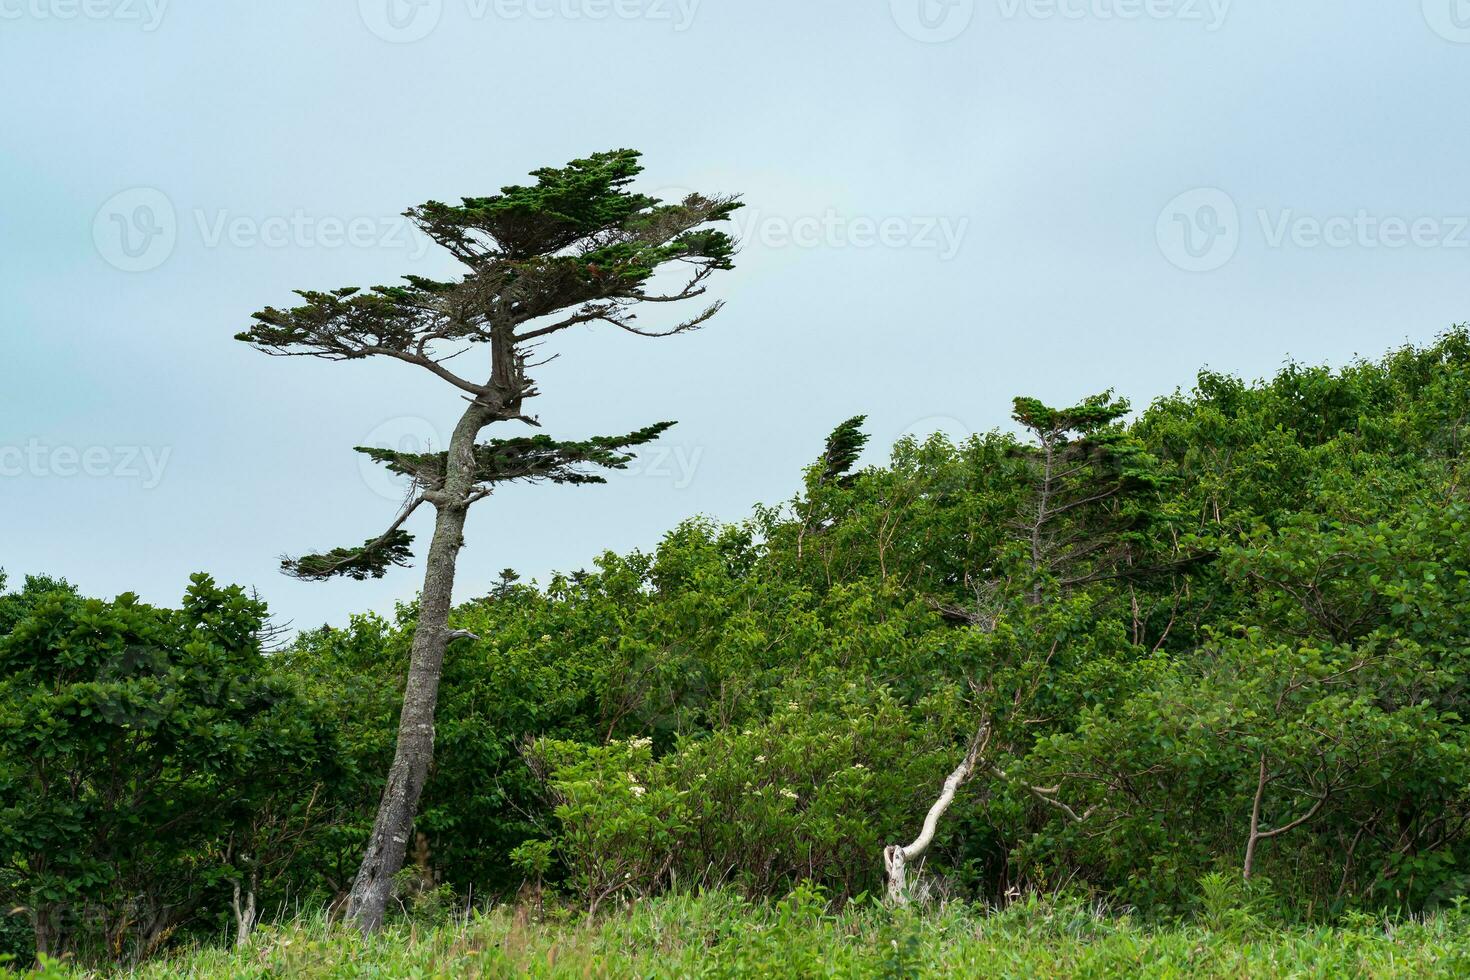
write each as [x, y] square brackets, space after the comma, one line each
[718, 934]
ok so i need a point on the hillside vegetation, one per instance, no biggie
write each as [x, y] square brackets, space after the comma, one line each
[1202, 665]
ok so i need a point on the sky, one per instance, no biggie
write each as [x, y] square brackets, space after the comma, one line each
[948, 203]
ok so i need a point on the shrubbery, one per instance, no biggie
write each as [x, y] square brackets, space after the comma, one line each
[813, 791]
[149, 761]
[1240, 617]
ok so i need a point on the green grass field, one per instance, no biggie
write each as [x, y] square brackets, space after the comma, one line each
[718, 935]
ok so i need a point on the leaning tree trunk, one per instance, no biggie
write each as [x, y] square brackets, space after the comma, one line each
[897, 857]
[415, 749]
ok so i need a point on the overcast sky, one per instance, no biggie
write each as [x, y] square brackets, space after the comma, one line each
[949, 203]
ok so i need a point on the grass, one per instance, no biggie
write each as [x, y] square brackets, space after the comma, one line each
[719, 935]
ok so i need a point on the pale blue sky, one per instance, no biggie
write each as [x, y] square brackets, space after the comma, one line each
[948, 205]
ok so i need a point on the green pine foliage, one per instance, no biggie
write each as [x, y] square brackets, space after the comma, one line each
[844, 446]
[371, 559]
[578, 247]
[529, 459]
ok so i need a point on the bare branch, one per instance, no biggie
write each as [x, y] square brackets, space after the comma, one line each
[688, 325]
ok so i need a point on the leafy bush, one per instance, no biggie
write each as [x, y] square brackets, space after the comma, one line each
[810, 793]
[144, 753]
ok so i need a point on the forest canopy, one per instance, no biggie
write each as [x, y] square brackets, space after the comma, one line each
[1226, 633]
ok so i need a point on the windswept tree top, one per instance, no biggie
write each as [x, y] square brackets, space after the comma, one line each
[844, 446]
[575, 247]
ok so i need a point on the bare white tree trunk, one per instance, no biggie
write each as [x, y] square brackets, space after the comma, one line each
[245, 913]
[897, 857]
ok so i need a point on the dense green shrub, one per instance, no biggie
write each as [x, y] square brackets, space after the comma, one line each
[1286, 595]
[148, 758]
[813, 791]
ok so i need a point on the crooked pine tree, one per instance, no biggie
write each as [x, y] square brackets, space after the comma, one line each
[576, 247]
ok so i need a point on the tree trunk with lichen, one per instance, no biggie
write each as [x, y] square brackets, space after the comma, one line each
[415, 747]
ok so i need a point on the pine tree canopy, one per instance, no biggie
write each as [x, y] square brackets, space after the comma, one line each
[531, 459]
[576, 247]
[577, 244]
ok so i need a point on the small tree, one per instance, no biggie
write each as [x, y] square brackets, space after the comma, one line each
[1092, 493]
[577, 247]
